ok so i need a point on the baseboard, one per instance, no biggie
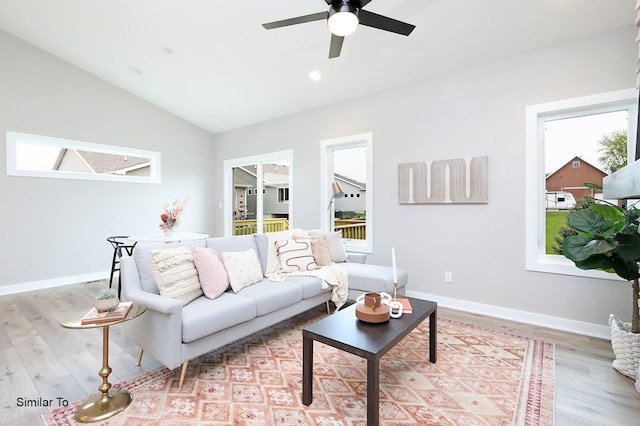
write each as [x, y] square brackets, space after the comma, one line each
[555, 323]
[53, 282]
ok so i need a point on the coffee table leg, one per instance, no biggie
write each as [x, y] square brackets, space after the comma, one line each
[373, 392]
[433, 335]
[307, 369]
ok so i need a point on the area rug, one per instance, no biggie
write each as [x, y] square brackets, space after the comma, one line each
[482, 377]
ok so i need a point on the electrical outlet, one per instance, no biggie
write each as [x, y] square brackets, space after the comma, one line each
[448, 277]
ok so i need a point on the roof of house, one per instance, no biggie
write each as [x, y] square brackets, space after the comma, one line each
[581, 160]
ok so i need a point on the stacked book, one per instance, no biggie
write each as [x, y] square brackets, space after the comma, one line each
[114, 314]
[406, 305]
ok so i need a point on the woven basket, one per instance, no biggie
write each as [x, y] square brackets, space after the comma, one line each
[626, 347]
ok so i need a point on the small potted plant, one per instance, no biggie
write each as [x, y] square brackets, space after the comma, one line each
[606, 238]
[106, 300]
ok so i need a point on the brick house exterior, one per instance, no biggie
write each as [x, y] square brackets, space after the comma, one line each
[573, 175]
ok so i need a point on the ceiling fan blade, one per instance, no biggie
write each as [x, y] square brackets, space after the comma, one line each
[385, 23]
[361, 3]
[297, 20]
[336, 46]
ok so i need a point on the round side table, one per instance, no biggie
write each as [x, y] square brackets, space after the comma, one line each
[107, 403]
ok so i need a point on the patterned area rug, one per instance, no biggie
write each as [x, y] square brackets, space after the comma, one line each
[482, 377]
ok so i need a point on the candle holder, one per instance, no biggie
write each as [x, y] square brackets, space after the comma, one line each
[394, 294]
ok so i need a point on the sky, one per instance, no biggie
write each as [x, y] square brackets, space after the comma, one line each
[351, 162]
[579, 136]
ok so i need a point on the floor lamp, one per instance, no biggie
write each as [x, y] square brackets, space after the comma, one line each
[337, 193]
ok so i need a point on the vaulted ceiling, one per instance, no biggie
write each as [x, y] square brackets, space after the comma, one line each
[212, 63]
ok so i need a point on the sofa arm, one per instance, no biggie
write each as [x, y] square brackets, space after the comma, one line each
[356, 257]
[159, 330]
[132, 290]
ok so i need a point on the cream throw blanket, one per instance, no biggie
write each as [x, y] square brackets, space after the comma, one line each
[331, 275]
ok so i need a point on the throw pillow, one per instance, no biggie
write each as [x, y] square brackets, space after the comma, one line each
[273, 264]
[334, 242]
[213, 276]
[295, 255]
[243, 268]
[320, 250]
[175, 274]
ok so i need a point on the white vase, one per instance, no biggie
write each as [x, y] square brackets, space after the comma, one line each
[168, 232]
[626, 348]
[106, 304]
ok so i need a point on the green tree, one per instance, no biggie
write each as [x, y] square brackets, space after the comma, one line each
[613, 151]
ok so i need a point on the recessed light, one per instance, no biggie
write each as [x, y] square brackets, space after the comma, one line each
[315, 75]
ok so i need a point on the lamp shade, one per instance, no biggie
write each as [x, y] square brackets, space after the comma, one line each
[337, 190]
[343, 19]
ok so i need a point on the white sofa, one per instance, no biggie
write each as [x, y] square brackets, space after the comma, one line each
[175, 334]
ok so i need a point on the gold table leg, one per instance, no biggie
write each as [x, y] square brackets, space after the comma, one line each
[106, 404]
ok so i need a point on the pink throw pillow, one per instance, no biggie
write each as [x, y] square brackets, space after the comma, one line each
[213, 276]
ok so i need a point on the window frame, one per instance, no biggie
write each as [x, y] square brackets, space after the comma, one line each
[535, 188]
[14, 138]
[327, 147]
[283, 195]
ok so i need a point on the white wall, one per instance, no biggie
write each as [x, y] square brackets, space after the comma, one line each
[475, 112]
[53, 230]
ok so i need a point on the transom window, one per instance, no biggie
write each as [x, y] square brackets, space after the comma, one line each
[50, 157]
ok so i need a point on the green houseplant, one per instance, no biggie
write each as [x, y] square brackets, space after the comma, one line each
[607, 238]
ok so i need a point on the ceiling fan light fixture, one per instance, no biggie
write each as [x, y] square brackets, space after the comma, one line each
[343, 19]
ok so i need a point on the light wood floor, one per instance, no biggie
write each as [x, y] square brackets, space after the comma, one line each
[39, 358]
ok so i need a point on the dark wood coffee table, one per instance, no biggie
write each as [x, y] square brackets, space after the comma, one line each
[344, 331]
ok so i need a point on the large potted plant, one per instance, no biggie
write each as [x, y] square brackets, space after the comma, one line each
[606, 238]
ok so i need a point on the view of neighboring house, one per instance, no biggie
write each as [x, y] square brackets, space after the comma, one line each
[571, 177]
[62, 159]
[275, 191]
[354, 202]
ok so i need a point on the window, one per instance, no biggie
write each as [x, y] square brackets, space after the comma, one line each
[348, 161]
[49, 157]
[268, 179]
[283, 195]
[551, 160]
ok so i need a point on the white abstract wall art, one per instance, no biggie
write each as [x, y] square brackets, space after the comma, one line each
[458, 181]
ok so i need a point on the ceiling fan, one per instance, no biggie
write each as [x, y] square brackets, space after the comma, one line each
[343, 18]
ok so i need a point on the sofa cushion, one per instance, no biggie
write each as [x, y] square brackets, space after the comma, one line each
[295, 255]
[142, 256]
[175, 274]
[270, 296]
[243, 268]
[311, 286]
[334, 243]
[373, 278]
[213, 277]
[204, 316]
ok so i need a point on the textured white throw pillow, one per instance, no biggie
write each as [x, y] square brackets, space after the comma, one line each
[213, 276]
[295, 255]
[243, 268]
[175, 274]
